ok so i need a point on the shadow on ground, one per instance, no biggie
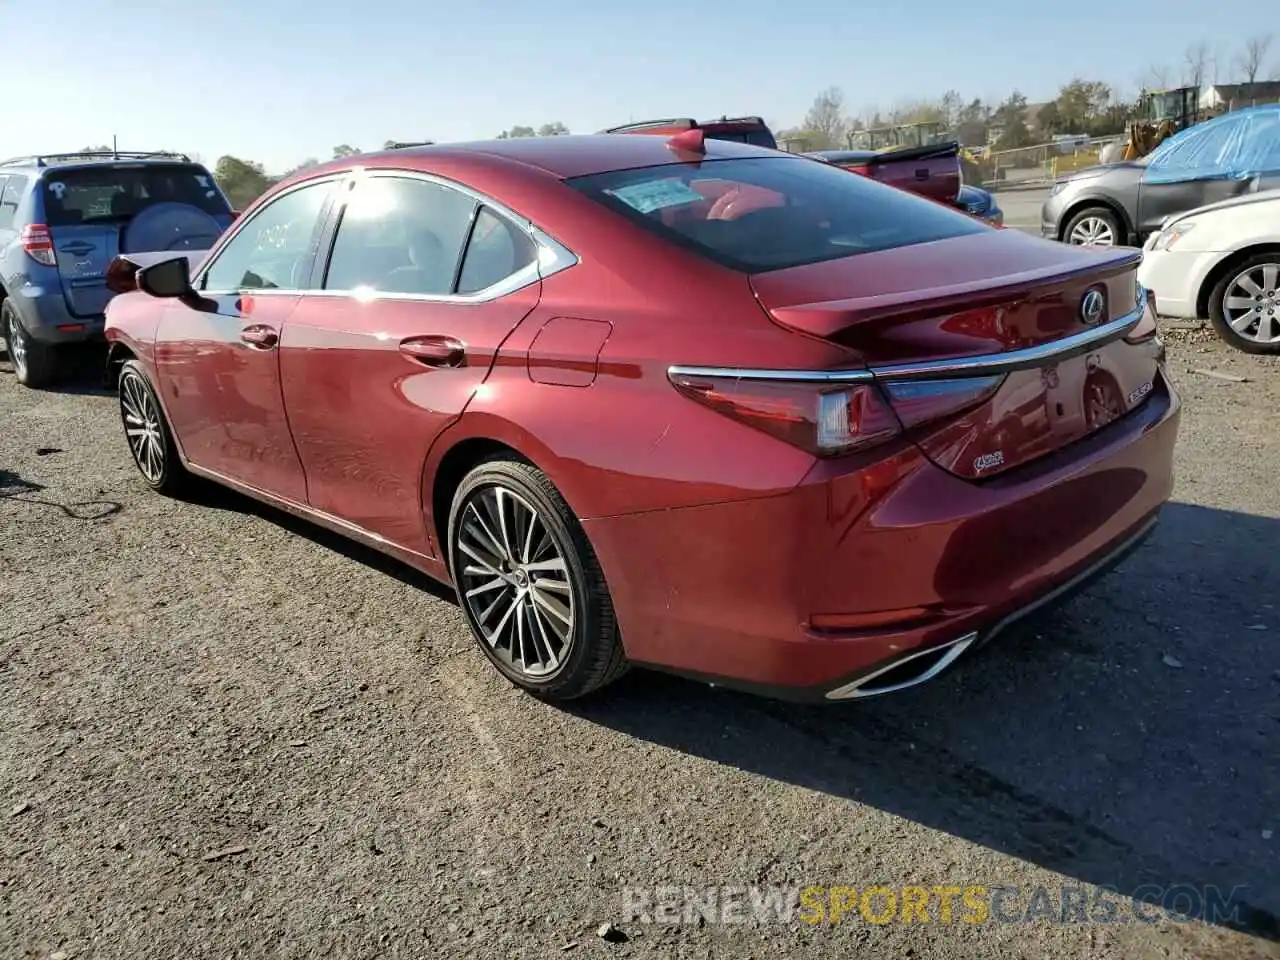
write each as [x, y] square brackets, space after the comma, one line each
[1126, 739]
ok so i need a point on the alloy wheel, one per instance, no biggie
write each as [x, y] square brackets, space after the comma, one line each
[142, 427]
[17, 347]
[1092, 231]
[515, 581]
[1251, 305]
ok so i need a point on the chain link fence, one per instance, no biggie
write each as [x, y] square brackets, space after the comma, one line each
[1037, 166]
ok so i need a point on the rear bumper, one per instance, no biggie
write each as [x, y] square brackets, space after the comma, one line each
[894, 559]
[45, 317]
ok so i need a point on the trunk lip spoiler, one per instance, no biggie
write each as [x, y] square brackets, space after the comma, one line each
[989, 364]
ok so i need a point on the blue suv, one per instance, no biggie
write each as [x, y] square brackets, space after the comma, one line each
[65, 217]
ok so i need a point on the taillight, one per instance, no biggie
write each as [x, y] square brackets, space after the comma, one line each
[1146, 328]
[922, 401]
[824, 418]
[37, 244]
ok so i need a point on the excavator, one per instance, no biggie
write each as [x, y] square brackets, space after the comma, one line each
[1163, 113]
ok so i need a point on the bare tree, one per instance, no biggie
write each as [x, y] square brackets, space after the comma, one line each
[825, 120]
[1253, 58]
[1156, 77]
[1195, 64]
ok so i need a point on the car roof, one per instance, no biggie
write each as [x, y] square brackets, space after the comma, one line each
[564, 157]
[92, 158]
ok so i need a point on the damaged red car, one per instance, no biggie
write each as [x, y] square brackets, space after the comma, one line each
[665, 401]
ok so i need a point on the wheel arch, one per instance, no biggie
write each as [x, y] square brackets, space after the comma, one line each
[117, 353]
[1084, 203]
[466, 443]
[1221, 269]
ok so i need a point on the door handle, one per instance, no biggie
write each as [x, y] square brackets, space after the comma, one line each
[435, 351]
[259, 335]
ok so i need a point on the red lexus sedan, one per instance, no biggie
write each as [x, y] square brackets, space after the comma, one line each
[672, 402]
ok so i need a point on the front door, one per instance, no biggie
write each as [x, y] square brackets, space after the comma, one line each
[423, 286]
[1200, 166]
[218, 359]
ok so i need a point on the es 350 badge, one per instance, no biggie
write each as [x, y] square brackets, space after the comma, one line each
[1141, 392]
[988, 460]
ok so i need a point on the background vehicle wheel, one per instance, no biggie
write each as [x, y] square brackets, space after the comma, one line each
[1097, 226]
[1244, 306]
[529, 583]
[148, 434]
[34, 363]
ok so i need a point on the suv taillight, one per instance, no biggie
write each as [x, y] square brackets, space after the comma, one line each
[38, 244]
[825, 419]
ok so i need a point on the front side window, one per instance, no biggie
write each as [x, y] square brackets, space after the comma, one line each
[769, 213]
[1198, 153]
[274, 250]
[400, 235]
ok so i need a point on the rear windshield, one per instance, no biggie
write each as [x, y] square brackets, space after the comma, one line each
[769, 213]
[115, 192]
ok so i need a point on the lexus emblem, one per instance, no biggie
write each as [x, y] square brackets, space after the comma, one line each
[1092, 307]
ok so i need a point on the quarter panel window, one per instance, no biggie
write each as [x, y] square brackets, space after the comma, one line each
[497, 249]
[11, 189]
[273, 251]
[400, 235]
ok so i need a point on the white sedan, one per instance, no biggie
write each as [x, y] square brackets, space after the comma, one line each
[1221, 262]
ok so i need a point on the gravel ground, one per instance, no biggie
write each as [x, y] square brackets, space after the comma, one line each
[181, 680]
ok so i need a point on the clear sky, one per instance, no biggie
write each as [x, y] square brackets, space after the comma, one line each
[281, 80]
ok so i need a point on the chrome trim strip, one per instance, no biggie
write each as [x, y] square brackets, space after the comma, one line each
[1054, 351]
[986, 364]
[856, 690]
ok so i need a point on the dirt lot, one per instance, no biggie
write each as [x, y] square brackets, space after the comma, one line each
[185, 679]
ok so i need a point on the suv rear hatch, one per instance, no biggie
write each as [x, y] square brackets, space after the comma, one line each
[1002, 332]
[89, 208]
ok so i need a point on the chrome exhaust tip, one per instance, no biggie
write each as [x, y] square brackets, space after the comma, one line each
[921, 667]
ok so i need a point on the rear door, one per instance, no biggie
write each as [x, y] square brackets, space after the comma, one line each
[87, 207]
[405, 328]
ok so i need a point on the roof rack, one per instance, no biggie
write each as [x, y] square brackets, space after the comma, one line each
[687, 122]
[405, 144]
[45, 159]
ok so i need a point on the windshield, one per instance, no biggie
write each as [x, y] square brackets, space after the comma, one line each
[771, 213]
[115, 192]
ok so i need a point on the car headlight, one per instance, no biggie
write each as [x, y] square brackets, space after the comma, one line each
[1166, 238]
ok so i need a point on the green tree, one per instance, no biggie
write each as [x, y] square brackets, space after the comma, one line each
[825, 125]
[555, 129]
[1011, 117]
[517, 131]
[344, 150]
[1080, 103]
[243, 181]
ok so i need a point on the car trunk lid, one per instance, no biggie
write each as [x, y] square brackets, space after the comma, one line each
[998, 318]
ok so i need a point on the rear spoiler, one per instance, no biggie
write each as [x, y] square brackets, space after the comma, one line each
[122, 272]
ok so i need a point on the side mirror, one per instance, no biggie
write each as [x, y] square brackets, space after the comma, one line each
[168, 278]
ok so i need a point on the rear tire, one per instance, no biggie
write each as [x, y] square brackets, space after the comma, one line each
[1097, 226]
[34, 363]
[147, 433]
[529, 583]
[1239, 324]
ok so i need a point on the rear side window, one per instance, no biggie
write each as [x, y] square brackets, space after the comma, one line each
[769, 213]
[400, 235]
[115, 192]
[497, 249]
[11, 189]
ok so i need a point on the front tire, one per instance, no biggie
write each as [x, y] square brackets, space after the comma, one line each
[1094, 226]
[34, 363]
[1244, 306]
[529, 583]
[147, 433]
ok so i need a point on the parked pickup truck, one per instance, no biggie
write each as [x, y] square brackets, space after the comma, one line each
[932, 171]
